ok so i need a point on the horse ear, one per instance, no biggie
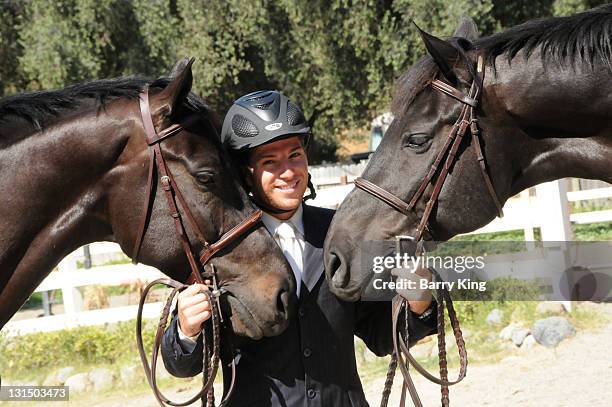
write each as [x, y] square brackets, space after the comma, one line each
[443, 53]
[467, 29]
[180, 66]
[177, 90]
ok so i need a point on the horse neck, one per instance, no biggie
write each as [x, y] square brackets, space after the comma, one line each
[56, 200]
[555, 119]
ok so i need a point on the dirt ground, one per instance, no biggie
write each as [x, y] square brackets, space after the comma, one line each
[577, 373]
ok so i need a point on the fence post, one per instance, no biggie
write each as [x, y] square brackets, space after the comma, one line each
[72, 298]
[555, 224]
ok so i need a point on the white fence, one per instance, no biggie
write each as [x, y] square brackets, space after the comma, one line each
[68, 279]
[545, 207]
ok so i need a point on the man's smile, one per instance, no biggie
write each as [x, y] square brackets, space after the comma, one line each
[289, 187]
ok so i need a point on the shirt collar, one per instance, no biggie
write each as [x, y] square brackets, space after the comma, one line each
[271, 223]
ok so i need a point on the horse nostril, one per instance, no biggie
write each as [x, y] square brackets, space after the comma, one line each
[338, 270]
[282, 301]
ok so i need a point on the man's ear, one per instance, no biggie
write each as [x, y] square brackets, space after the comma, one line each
[166, 102]
[443, 54]
[247, 175]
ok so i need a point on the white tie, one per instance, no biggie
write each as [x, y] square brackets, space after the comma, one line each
[292, 251]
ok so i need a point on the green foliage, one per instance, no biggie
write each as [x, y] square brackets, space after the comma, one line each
[593, 232]
[336, 57]
[80, 346]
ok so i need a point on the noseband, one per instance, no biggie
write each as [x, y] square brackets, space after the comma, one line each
[401, 355]
[198, 270]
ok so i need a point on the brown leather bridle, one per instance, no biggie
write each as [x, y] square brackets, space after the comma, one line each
[467, 119]
[198, 270]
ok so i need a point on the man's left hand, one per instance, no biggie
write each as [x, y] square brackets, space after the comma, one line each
[418, 298]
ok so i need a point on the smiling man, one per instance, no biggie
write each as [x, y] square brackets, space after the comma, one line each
[313, 362]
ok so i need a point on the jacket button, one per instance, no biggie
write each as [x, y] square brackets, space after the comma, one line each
[301, 312]
[311, 393]
[307, 352]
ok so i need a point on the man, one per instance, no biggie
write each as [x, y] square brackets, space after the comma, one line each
[313, 362]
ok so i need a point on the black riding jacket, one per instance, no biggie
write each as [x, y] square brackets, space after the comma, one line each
[312, 363]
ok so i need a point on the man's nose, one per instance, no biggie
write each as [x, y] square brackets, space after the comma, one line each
[287, 171]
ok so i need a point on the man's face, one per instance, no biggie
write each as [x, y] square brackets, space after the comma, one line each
[278, 174]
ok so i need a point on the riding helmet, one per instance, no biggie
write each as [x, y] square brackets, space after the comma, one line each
[261, 117]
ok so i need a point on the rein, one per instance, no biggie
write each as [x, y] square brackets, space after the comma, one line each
[401, 354]
[211, 337]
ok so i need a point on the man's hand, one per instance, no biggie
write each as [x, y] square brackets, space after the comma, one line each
[193, 309]
[418, 298]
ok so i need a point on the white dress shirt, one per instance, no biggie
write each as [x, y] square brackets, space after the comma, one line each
[289, 235]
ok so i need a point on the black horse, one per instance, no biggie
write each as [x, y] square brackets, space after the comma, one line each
[75, 165]
[545, 112]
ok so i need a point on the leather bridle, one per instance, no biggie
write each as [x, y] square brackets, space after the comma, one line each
[467, 119]
[211, 352]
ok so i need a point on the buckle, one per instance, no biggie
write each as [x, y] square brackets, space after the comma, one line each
[398, 242]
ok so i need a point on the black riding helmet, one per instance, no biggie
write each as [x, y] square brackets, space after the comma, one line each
[261, 117]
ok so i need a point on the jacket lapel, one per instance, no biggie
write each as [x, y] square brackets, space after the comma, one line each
[314, 237]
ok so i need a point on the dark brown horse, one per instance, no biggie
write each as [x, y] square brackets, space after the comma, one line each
[75, 165]
[544, 112]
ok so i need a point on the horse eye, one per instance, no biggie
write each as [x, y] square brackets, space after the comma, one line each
[205, 177]
[417, 142]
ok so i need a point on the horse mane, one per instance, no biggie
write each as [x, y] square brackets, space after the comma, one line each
[585, 36]
[38, 108]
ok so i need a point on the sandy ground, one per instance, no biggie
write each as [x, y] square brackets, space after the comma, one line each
[577, 373]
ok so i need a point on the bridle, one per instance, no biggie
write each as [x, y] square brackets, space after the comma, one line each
[467, 119]
[211, 352]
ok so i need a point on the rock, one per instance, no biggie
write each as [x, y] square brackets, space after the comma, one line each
[550, 307]
[64, 373]
[495, 317]
[51, 380]
[101, 379]
[78, 383]
[506, 333]
[131, 374]
[552, 330]
[58, 377]
[529, 342]
[518, 336]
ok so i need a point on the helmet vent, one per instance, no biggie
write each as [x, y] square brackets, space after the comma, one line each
[243, 127]
[259, 97]
[294, 115]
[264, 106]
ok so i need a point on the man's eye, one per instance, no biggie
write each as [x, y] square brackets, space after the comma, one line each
[296, 154]
[268, 162]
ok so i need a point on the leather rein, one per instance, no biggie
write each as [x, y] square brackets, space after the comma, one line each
[401, 354]
[211, 337]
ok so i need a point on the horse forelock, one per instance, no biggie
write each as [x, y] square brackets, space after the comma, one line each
[411, 83]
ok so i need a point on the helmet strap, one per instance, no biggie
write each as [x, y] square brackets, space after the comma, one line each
[267, 208]
[311, 189]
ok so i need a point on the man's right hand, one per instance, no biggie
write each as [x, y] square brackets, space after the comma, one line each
[193, 309]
